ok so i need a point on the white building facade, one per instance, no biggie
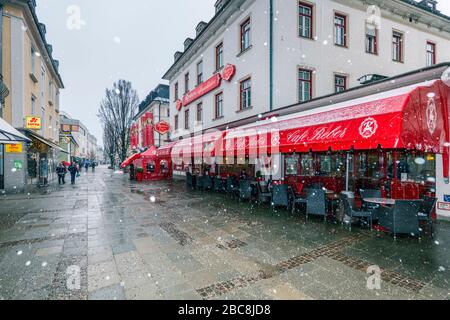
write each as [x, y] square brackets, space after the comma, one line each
[286, 52]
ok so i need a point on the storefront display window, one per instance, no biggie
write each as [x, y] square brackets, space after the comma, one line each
[150, 167]
[292, 165]
[331, 164]
[308, 165]
[421, 168]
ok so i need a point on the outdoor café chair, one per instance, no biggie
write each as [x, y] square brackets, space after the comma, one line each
[352, 213]
[200, 183]
[403, 218]
[232, 187]
[189, 180]
[296, 200]
[316, 203]
[245, 190]
[280, 196]
[207, 183]
[263, 195]
[218, 184]
[426, 209]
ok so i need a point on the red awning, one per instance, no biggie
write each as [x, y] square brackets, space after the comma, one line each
[199, 146]
[412, 117]
[130, 160]
[150, 153]
[165, 151]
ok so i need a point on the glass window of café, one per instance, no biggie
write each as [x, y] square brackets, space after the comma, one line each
[415, 167]
[150, 167]
[316, 164]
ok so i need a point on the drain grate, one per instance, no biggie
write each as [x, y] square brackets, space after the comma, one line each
[392, 277]
[180, 236]
[233, 244]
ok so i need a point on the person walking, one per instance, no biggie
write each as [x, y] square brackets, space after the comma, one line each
[86, 165]
[73, 169]
[61, 171]
[93, 165]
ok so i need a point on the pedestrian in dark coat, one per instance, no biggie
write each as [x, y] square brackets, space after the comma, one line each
[86, 165]
[73, 169]
[61, 171]
[93, 165]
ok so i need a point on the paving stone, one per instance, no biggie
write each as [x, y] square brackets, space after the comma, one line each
[199, 246]
[114, 292]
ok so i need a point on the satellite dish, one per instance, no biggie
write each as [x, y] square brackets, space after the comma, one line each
[446, 77]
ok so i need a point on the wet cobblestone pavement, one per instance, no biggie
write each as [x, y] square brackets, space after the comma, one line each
[109, 238]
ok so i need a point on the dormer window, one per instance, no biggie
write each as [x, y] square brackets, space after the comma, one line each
[219, 5]
[429, 4]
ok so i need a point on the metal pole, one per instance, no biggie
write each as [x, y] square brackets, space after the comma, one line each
[347, 174]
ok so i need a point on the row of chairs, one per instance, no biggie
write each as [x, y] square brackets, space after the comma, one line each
[405, 217]
[278, 195]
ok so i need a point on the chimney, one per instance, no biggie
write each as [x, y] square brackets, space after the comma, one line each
[56, 64]
[200, 27]
[187, 43]
[177, 55]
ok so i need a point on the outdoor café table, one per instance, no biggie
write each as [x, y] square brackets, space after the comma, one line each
[380, 201]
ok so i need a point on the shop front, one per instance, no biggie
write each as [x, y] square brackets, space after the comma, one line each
[151, 165]
[395, 142]
[42, 159]
[13, 146]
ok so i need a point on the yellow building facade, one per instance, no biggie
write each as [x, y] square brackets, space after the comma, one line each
[31, 75]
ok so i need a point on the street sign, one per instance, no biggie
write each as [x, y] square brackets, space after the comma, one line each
[162, 127]
[33, 123]
[13, 148]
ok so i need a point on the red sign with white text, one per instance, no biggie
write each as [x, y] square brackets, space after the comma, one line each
[162, 127]
[204, 88]
[209, 85]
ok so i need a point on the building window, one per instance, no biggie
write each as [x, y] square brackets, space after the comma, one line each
[245, 35]
[219, 56]
[305, 85]
[431, 54]
[245, 94]
[305, 12]
[371, 39]
[200, 113]
[33, 105]
[186, 83]
[33, 60]
[340, 83]
[397, 46]
[200, 73]
[186, 119]
[176, 92]
[218, 105]
[176, 122]
[340, 30]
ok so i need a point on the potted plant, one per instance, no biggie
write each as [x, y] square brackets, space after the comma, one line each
[139, 174]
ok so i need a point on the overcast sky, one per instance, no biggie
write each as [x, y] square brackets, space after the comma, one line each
[133, 40]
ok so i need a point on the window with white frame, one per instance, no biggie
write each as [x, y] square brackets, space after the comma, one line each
[245, 94]
[305, 13]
